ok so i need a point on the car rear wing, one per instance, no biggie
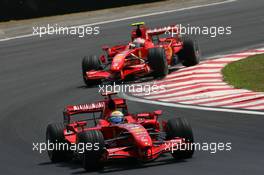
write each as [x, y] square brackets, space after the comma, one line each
[99, 106]
[82, 108]
[85, 108]
[170, 30]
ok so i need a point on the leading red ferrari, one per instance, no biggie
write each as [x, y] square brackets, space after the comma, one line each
[108, 131]
[148, 53]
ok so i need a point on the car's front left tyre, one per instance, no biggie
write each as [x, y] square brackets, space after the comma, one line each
[54, 138]
[179, 127]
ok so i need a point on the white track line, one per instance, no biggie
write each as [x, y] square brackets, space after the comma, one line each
[247, 53]
[195, 90]
[187, 83]
[193, 82]
[234, 100]
[184, 89]
[177, 87]
[245, 104]
[211, 65]
[256, 107]
[131, 17]
[222, 97]
[217, 70]
[204, 95]
[165, 91]
[193, 76]
[227, 60]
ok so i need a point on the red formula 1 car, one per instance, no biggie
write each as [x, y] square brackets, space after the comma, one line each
[147, 53]
[139, 136]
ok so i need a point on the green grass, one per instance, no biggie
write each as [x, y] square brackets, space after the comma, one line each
[246, 74]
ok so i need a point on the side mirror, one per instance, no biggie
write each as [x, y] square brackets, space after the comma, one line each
[105, 48]
[158, 112]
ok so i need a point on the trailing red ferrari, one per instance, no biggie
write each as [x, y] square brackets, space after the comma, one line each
[147, 53]
[117, 134]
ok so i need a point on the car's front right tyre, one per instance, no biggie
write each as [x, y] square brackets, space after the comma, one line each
[190, 53]
[179, 127]
[158, 62]
[92, 158]
[54, 138]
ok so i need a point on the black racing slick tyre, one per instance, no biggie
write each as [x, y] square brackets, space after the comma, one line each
[92, 158]
[158, 62]
[179, 127]
[190, 54]
[90, 63]
[55, 136]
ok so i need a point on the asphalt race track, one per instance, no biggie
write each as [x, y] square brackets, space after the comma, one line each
[39, 76]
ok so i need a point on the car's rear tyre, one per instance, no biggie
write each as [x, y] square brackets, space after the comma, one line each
[158, 62]
[179, 127]
[90, 63]
[190, 54]
[92, 158]
[55, 136]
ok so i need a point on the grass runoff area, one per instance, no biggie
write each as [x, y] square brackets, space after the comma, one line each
[246, 73]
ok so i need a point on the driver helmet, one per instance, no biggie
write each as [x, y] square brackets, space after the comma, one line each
[116, 117]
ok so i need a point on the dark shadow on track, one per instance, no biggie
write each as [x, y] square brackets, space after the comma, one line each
[131, 164]
[117, 165]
